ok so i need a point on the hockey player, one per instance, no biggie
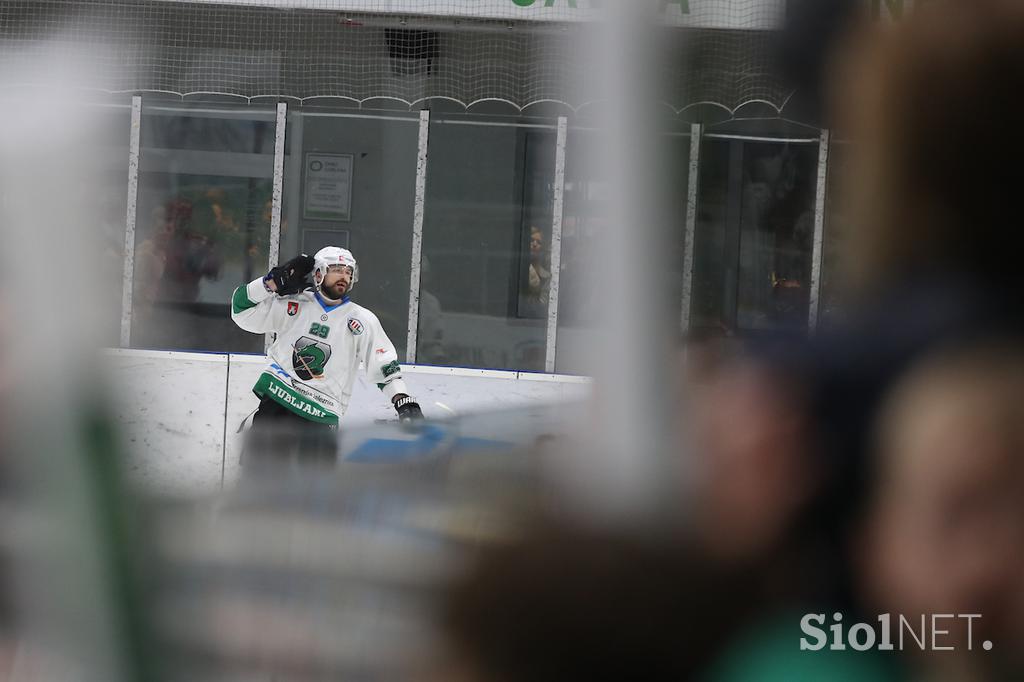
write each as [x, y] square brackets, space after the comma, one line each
[322, 337]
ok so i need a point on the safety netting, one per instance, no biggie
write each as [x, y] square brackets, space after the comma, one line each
[520, 52]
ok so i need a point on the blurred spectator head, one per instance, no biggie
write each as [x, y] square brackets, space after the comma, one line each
[945, 528]
[174, 218]
[178, 212]
[755, 471]
[938, 161]
[536, 242]
[163, 229]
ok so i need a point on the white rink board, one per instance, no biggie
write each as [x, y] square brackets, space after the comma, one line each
[180, 412]
[171, 410]
[244, 370]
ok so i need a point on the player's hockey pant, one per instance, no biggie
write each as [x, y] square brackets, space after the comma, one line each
[278, 437]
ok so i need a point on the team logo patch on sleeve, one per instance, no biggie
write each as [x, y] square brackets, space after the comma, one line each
[390, 368]
[293, 308]
[355, 326]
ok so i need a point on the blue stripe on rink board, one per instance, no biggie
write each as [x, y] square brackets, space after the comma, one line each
[431, 440]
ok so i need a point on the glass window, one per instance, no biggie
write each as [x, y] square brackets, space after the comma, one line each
[202, 227]
[109, 168]
[484, 287]
[584, 218]
[350, 181]
[755, 230]
[584, 212]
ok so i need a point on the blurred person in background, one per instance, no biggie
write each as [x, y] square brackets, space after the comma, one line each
[538, 276]
[944, 531]
[756, 469]
[764, 508]
[151, 254]
[189, 255]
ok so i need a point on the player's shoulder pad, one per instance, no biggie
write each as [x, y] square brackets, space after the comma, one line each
[364, 314]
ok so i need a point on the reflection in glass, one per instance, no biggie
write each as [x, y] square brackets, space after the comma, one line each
[536, 289]
[486, 245]
[752, 259]
[203, 224]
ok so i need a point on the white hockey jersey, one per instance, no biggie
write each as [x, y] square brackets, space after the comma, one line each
[312, 364]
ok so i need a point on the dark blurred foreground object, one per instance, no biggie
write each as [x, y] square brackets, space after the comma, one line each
[930, 104]
[944, 529]
[936, 172]
[806, 47]
[565, 603]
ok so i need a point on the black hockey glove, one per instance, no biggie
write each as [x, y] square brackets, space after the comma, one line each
[290, 278]
[408, 409]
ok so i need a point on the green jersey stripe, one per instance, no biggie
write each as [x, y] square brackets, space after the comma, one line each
[283, 394]
[240, 300]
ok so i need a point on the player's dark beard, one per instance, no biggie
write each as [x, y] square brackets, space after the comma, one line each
[335, 291]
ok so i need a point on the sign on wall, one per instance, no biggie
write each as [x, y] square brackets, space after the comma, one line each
[328, 187]
[314, 240]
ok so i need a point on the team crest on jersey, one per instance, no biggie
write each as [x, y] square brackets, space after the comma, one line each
[293, 308]
[355, 326]
[309, 358]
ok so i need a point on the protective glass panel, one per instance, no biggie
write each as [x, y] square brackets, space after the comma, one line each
[109, 167]
[203, 226]
[755, 229]
[484, 291]
[350, 181]
[584, 220]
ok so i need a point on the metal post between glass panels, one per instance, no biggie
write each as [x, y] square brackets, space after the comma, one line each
[275, 203]
[551, 344]
[696, 131]
[129, 232]
[417, 236]
[819, 232]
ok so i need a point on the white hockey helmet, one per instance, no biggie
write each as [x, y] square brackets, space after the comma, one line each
[333, 255]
